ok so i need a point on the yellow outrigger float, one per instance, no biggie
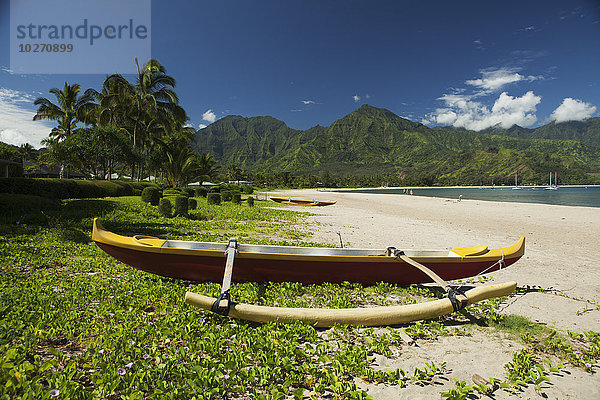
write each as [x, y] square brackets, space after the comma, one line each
[456, 300]
[371, 316]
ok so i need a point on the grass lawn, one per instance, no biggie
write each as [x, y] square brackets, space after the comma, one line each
[75, 323]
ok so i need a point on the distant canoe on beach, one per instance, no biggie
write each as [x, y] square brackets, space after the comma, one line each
[302, 202]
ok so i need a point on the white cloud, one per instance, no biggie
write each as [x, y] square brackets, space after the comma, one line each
[202, 126]
[573, 110]
[464, 112]
[209, 116]
[356, 98]
[16, 119]
[446, 117]
[308, 102]
[495, 79]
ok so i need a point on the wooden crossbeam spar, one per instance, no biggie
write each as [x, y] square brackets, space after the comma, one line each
[231, 251]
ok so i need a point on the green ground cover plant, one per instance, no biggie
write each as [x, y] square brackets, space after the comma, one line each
[75, 323]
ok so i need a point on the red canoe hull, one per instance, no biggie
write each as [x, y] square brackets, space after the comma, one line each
[201, 269]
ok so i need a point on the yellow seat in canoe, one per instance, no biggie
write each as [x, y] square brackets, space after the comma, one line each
[470, 251]
[148, 240]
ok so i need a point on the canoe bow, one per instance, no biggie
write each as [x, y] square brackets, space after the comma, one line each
[369, 316]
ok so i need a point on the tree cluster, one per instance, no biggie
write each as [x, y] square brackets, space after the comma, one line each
[132, 128]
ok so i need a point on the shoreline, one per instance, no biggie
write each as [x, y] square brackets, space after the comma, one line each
[444, 187]
[501, 195]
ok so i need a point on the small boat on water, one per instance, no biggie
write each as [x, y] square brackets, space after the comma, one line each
[302, 202]
[203, 261]
[550, 185]
[516, 187]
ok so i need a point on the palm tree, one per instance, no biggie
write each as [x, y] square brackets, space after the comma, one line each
[206, 167]
[154, 93]
[182, 164]
[26, 151]
[69, 109]
[235, 173]
[149, 108]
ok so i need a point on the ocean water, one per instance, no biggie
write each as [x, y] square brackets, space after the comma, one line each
[564, 196]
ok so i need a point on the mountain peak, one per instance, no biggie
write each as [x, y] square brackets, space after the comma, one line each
[384, 115]
[369, 109]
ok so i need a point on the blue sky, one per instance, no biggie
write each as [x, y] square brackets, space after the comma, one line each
[471, 64]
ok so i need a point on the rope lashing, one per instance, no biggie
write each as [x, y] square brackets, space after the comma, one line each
[457, 303]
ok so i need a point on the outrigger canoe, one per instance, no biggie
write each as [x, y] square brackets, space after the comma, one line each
[203, 261]
[302, 202]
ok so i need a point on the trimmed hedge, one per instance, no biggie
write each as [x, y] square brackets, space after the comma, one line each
[70, 188]
[226, 195]
[201, 192]
[250, 201]
[192, 204]
[213, 198]
[236, 197]
[171, 192]
[164, 208]
[189, 192]
[181, 206]
[247, 189]
[151, 195]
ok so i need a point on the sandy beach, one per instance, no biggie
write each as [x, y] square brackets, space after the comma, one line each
[562, 256]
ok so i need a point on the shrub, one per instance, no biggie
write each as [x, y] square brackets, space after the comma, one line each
[201, 192]
[189, 192]
[226, 195]
[213, 198]
[171, 192]
[248, 189]
[233, 187]
[250, 201]
[69, 188]
[192, 204]
[236, 197]
[181, 206]
[165, 208]
[215, 189]
[151, 195]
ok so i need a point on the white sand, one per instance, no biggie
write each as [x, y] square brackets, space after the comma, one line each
[562, 253]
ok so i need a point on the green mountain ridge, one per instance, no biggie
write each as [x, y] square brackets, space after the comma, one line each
[375, 141]
[586, 131]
